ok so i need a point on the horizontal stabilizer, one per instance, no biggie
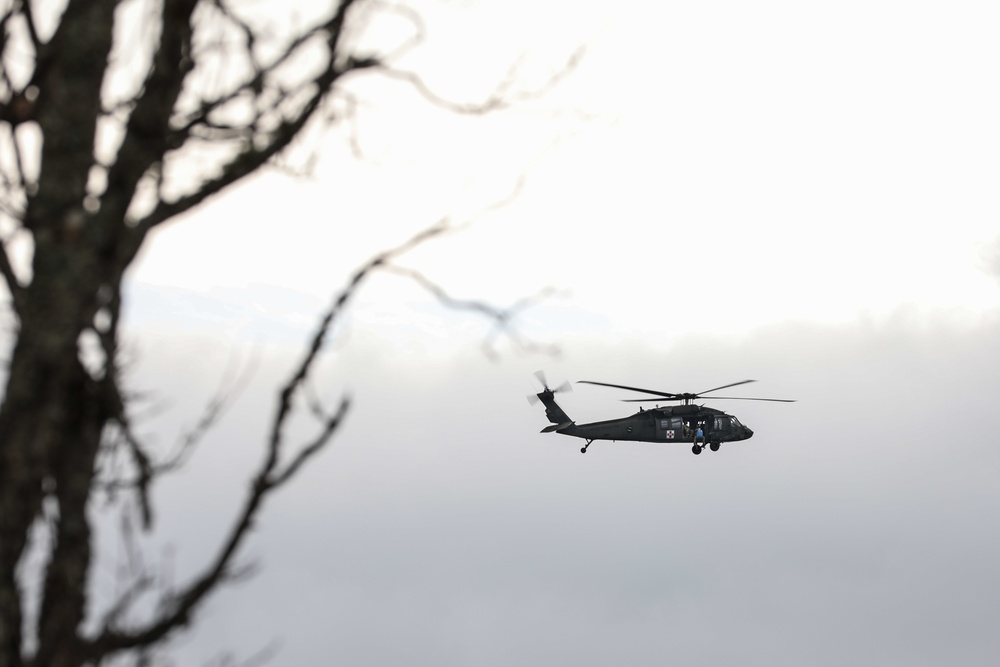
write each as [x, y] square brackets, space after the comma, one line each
[557, 427]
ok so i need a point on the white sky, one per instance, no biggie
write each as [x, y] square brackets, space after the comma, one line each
[803, 193]
[790, 162]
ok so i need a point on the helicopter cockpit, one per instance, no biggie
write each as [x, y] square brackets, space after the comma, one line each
[726, 423]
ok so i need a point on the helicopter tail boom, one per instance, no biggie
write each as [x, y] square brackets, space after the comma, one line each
[553, 412]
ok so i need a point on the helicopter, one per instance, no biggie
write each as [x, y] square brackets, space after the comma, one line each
[678, 423]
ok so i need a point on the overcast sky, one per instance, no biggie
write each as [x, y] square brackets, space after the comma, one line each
[799, 193]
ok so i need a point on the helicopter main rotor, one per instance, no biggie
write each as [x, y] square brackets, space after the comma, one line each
[687, 397]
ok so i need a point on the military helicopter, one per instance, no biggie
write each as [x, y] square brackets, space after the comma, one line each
[678, 423]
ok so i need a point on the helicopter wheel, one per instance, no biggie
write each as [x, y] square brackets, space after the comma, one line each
[714, 446]
[696, 449]
[583, 450]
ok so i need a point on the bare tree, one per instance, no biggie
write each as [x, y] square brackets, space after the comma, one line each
[117, 116]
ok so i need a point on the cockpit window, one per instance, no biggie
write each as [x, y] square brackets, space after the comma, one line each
[726, 422]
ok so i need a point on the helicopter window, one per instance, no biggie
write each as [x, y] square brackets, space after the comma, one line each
[724, 423]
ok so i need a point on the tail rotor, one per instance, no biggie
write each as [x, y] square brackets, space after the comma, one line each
[533, 399]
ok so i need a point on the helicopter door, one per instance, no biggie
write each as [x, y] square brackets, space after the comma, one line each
[672, 429]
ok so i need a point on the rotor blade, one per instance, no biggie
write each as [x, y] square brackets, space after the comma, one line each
[621, 386]
[711, 398]
[748, 398]
[565, 386]
[541, 378]
[725, 386]
[533, 400]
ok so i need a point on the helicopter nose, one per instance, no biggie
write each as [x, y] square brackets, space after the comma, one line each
[749, 432]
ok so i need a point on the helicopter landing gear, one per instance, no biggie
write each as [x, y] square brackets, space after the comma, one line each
[583, 450]
[696, 449]
[714, 446]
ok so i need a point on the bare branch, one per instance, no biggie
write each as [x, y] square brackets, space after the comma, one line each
[258, 659]
[137, 589]
[261, 72]
[64, 431]
[350, 115]
[179, 608]
[19, 183]
[249, 160]
[503, 318]
[147, 136]
[29, 17]
[312, 448]
[500, 98]
[409, 14]
[146, 469]
[13, 284]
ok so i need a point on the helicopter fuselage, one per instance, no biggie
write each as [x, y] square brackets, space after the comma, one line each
[679, 423]
[669, 424]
